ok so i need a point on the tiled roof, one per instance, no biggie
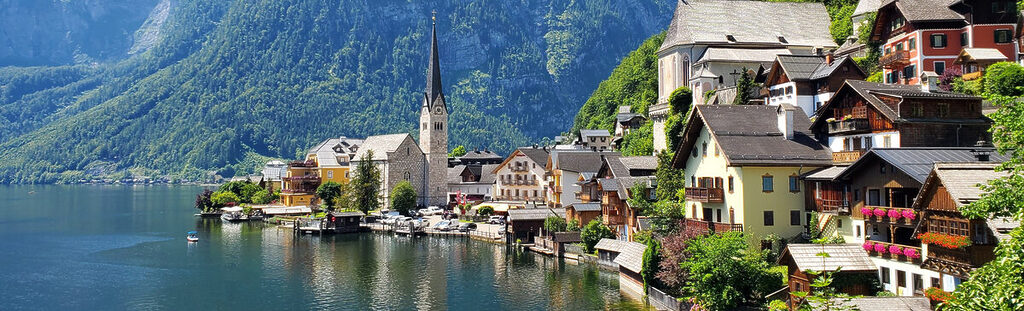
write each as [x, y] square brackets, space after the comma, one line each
[577, 160]
[611, 245]
[455, 174]
[826, 70]
[521, 214]
[381, 145]
[538, 155]
[826, 173]
[594, 133]
[608, 184]
[867, 6]
[709, 22]
[850, 257]
[477, 155]
[895, 303]
[869, 90]
[625, 109]
[765, 56]
[750, 135]
[800, 67]
[487, 173]
[1001, 227]
[585, 207]
[640, 162]
[631, 256]
[347, 214]
[962, 180]
[984, 54]
[918, 162]
[626, 117]
[925, 10]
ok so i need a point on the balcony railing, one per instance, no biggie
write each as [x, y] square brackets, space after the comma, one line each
[974, 255]
[902, 215]
[846, 156]
[700, 227]
[850, 125]
[309, 163]
[894, 59]
[971, 76]
[841, 207]
[302, 178]
[886, 252]
[705, 195]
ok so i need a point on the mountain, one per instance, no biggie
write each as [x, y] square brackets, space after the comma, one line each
[205, 86]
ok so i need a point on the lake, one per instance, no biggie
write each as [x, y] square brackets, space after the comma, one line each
[115, 247]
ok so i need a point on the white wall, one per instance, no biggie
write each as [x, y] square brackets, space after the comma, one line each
[835, 143]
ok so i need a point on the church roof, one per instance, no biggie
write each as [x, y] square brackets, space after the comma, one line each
[381, 145]
[433, 92]
[733, 22]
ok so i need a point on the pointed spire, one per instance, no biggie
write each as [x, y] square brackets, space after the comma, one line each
[434, 71]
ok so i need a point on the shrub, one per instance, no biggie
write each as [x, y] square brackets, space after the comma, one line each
[594, 232]
[403, 198]
[554, 224]
[573, 226]
[1005, 79]
[224, 198]
[485, 210]
[875, 77]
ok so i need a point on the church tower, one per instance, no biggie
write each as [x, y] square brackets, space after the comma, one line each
[434, 129]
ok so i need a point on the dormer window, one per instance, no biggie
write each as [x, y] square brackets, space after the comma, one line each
[730, 38]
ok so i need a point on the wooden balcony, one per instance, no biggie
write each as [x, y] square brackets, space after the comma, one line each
[846, 156]
[973, 256]
[705, 195]
[613, 219]
[701, 227]
[841, 207]
[885, 219]
[897, 257]
[895, 59]
[849, 126]
[971, 76]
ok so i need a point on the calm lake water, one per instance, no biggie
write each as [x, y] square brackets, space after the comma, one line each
[123, 247]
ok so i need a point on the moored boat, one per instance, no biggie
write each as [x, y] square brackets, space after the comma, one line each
[192, 236]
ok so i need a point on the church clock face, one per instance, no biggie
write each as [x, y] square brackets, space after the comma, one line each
[438, 110]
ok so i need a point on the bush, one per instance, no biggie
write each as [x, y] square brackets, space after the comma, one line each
[593, 232]
[204, 201]
[573, 226]
[224, 198]
[1005, 78]
[554, 224]
[973, 87]
[723, 272]
[264, 197]
[875, 77]
[485, 210]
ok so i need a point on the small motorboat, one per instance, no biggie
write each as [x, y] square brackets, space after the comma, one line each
[231, 214]
[192, 236]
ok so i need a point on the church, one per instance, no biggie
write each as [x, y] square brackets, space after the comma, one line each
[399, 157]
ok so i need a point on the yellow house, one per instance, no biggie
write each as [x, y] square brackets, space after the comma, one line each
[332, 158]
[742, 168]
[298, 187]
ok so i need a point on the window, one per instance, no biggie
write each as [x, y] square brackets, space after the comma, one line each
[693, 211]
[918, 282]
[916, 110]
[912, 44]
[857, 231]
[592, 139]
[407, 175]
[330, 174]
[693, 181]
[839, 222]
[909, 72]
[998, 7]
[603, 139]
[767, 183]
[940, 67]
[885, 275]
[886, 141]
[769, 218]
[935, 283]
[899, 46]
[938, 40]
[704, 149]
[881, 168]
[1003, 36]
[943, 110]
[717, 152]
[963, 39]
[731, 187]
[693, 152]
[794, 218]
[794, 184]
[901, 278]
[718, 215]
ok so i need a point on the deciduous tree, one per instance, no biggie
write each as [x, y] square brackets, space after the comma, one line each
[403, 198]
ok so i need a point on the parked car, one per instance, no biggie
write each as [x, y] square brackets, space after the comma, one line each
[467, 227]
[497, 220]
[453, 225]
[442, 225]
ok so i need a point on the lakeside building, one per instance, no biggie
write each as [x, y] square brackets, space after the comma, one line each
[616, 180]
[563, 169]
[743, 165]
[854, 278]
[298, 187]
[524, 224]
[272, 173]
[706, 48]
[520, 178]
[332, 158]
[808, 81]
[864, 115]
[928, 35]
[470, 184]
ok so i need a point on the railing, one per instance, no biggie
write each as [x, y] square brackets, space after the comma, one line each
[894, 59]
[851, 125]
[309, 163]
[888, 254]
[299, 190]
[613, 219]
[974, 255]
[847, 156]
[700, 227]
[841, 207]
[971, 76]
[705, 195]
[900, 219]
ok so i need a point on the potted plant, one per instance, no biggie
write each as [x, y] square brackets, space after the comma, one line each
[895, 214]
[909, 214]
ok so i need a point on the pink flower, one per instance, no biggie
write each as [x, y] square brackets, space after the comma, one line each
[895, 249]
[894, 214]
[866, 211]
[879, 212]
[911, 253]
[867, 246]
[880, 248]
[909, 214]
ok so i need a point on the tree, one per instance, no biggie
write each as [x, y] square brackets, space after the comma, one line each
[1004, 79]
[224, 198]
[651, 259]
[243, 190]
[823, 295]
[329, 192]
[203, 202]
[403, 198]
[347, 199]
[723, 272]
[593, 232]
[744, 86]
[554, 224]
[670, 180]
[366, 184]
[459, 151]
[572, 226]
[264, 197]
[485, 210]
[679, 103]
[638, 199]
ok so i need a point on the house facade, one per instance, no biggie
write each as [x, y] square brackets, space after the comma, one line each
[332, 158]
[298, 186]
[743, 165]
[563, 169]
[927, 35]
[808, 81]
[470, 184]
[520, 178]
[595, 140]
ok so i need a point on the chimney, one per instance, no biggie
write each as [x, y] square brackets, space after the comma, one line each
[829, 58]
[785, 120]
[929, 82]
[981, 151]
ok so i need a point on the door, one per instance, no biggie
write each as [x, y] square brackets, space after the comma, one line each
[707, 214]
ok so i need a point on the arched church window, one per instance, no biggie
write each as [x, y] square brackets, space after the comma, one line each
[685, 69]
[407, 176]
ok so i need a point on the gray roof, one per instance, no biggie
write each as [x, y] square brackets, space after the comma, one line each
[709, 22]
[925, 10]
[1001, 227]
[631, 256]
[800, 67]
[962, 180]
[869, 90]
[382, 145]
[481, 155]
[523, 214]
[538, 155]
[825, 173]
[347, 214]
[826, 70]
[487, 173]
[895, 303]
[989, 54]
[640, 162]
[917, 162]
[594, 133]
[626, 117]
[577, 160]
[585, 207]
[611, 245]
[738, 55]
[608, 184]
[625, 109]
[867, 6]
[455, 174]
[850, 257]
[750, 135]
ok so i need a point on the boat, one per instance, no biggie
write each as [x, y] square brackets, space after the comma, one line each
[232, 214]
[192, 236]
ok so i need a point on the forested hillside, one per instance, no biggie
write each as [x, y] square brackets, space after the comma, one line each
[226, 84]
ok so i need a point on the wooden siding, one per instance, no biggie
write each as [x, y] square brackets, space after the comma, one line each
[940, 200]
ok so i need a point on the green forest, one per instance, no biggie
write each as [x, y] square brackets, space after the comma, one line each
[233, 83]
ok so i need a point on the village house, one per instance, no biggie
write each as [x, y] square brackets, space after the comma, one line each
[949, 187]
[470, 184]
[616, 180]
[808, 81]
[630, 262]
[928, 35]
[854, 278]
[709, 43]
[595, 140]
[520, 178]
[477, 157]
[863, 115]
[626, 121]
[272, 173]
[298, 187]
[852, 47]
[973, 61]
[563, 169]
[332, 158]
[743, 165]
[524, 224]
[871, 202]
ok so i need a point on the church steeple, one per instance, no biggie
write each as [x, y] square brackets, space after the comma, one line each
[433, 91]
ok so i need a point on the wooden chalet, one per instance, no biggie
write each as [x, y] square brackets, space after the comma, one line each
[803, 258]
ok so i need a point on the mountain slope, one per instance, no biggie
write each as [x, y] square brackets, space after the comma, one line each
[230, 82]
